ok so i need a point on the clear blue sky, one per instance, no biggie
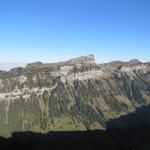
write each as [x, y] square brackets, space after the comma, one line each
[54, 30]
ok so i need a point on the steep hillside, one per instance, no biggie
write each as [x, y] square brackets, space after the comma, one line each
[70, 96]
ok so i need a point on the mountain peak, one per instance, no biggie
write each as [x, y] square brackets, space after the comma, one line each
[33, 64]
[89, 59]
[134, 62]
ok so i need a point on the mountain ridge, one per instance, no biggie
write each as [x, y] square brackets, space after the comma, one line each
[72, 95]
[82, 58]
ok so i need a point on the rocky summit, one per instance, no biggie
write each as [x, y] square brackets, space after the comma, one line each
[75, 95]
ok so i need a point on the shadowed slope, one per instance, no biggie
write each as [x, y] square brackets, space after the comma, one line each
[125, 133]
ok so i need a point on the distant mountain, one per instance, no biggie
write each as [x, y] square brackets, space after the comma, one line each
[9, 66]
[75, 95]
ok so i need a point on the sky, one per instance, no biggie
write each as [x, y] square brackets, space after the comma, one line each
[57, 30]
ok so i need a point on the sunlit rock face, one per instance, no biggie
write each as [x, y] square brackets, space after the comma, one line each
[74, 95]
[82, 60]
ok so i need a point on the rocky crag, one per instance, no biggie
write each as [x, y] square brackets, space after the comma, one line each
[75, 95]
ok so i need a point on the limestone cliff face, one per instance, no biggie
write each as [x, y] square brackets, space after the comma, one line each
[74, 95]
